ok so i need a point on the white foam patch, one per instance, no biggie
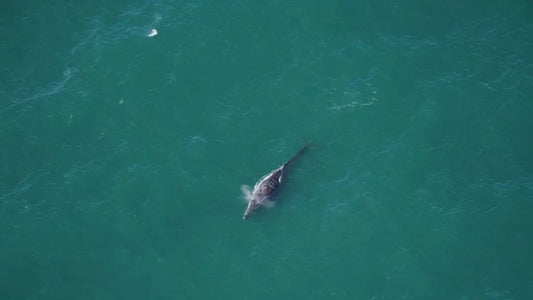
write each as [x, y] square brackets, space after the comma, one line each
[152, 33]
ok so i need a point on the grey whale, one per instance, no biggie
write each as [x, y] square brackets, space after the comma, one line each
[266, 186]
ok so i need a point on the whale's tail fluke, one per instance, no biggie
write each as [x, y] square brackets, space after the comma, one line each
[304, 148]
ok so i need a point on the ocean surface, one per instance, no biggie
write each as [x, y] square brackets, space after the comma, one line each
[123, 153]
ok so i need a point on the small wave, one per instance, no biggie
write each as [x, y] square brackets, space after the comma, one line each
[362, 92]
[409, 42]
[352, 105]
[133, 22]
[24, 184]
[51, 89]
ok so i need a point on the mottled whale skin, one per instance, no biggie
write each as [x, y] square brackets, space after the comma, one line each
[266, 185]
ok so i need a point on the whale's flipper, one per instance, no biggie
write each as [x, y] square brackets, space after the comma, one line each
[246, 192]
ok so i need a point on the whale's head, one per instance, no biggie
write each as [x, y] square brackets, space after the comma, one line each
[253, 205]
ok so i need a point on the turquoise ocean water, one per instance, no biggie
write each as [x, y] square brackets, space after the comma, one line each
[122, 155]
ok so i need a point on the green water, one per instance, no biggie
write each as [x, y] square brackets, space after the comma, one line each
[122, 155]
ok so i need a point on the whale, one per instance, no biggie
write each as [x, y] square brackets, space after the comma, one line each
[266, 186]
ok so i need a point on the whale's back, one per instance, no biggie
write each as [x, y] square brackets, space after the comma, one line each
[268, 184]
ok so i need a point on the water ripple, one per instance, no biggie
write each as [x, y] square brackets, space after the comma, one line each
[50, 89]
